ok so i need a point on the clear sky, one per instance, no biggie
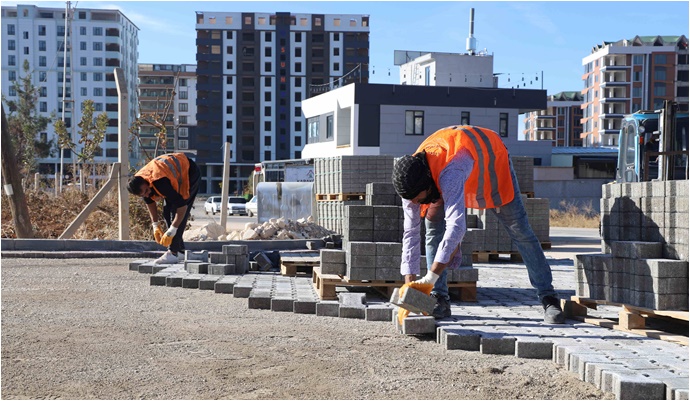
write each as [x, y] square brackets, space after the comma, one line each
[524, 37]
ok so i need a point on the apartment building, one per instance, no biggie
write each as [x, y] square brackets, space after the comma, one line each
[97, 42]
[629, 75]
[254, 70]
[559, 123]
[169, 91]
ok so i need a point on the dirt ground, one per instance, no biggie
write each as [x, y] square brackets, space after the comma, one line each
[91, 329]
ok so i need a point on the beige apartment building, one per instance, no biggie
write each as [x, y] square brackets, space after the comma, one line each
[559, 122]
[629, 75]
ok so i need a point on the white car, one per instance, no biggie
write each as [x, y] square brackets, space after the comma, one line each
[212, 205]
[236, 205]
[252, 207]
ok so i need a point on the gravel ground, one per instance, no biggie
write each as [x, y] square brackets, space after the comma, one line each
[91, 329]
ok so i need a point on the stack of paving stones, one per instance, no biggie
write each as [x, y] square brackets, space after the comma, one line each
[234, 257]
[537, 214]
[646, 211]
[332, 213]
[524, 172]
[382, 193]
[381, 223]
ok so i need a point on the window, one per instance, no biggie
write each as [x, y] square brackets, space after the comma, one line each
[336, 21]
[97, 31]
[13, 91]
[97, 45]
[637, 92]
[82, 30]
[42, 60]
[84, 76]
[465, 118]
[11, 45]
[248, 20]
[427, 76]
[658, 103]
[329, 127]
[183, 107]
[267, 52]
[43, 92]
[298, 82]
[267, 81]
[25, 34]
[26, 50]
[12, 75]
[228, 21]
[503, 125]
[183, 120]
[267, 66]
[637, 76]
[659, 89]
[298, 67]
[636, 107]
[298, 35]
[298, 52]
[659, 59]
[298, 141]
[98, 91]
[12, 60]
[267, 111]
[298, 111]
[182, 83]
[228, 65]
[228, 95]
[267, 96]
[98, 61]
[98, 106]
[414, 122]
[82, 14]
[97, 76]
[41, 45]
[313, 130]
[267, 37]
[298, 126]
[184, 95]
[228, 109]
[298, 96]
[228, 124]
[660, 73]
[638, 59]
[82, 60]
[267, 126]
[43, 107]
[303, 21]
[10, 29]
[228, 49]
[41, 30]
[228, 34]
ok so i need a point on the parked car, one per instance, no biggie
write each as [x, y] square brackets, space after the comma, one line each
[236, 205]
[212, 205]
[252, 207]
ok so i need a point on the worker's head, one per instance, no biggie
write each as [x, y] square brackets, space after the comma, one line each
[139, 187]
[412, 179]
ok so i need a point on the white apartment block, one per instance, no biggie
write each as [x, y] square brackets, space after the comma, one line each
[98, 41]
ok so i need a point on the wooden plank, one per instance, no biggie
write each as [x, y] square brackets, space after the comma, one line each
[679, 315]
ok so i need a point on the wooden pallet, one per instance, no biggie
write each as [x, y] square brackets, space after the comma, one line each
[631, 319]
[325, 286]
[341, 196]
[291, 262]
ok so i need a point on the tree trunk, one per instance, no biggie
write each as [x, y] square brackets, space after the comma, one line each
[12, 182]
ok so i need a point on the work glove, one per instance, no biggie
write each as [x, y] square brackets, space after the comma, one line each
[157, 231]
[168, 236]
[424, 284]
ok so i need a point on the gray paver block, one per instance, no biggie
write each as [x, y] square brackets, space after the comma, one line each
[674, 385]
[607, 377]
[263, 261]
[218, 269]
[378, 314]
[413, 300]
[328, 308]
[201, 256]
[533, 349]
[352, 298]
[196, 267]
[636, 249]
[208, 282]
[259, 299]
[578, 363]
[680, 394]
[174, 280]
[467, 340]
[134, 265]
[307, 306]
[147, 268]
[333, 256]
[191, 281]
[593, 371]
[497, 344]
[637, 387]
[158, 278]
[235, 249]
[413, 325]
[352, 311]
[224, 285]
[282, 304]
[241, 291]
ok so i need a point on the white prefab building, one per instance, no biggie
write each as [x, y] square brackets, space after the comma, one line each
[446, 69]
[376, 119]
[98, 41]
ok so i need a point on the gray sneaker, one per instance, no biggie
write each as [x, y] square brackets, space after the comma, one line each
[442, 308]
[553, 314]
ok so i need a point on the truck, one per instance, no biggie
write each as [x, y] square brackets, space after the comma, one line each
[653, 145]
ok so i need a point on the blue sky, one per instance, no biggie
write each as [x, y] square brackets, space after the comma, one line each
[524, 37]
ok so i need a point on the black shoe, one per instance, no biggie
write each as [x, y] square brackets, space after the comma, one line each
[553, 313]
[442, 308]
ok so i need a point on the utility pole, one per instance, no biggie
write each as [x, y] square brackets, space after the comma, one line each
[225, 187]
[12, 184]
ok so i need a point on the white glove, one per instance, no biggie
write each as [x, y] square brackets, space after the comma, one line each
[429, 278]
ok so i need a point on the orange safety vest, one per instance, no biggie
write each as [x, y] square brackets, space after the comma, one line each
[173, 166]
[490, 183]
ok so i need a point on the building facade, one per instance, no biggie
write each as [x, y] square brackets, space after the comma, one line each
[377, 119]
[169, 91]
[629, 75]
[559, 123]
[97, 42]
[254, 70]
[446, 69]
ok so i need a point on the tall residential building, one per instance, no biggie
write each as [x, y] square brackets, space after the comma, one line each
[97, 42]
[559, 123]
[169, 91]
[253, 71]
[629, 75]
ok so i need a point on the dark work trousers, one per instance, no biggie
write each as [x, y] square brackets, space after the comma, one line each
[169, 213]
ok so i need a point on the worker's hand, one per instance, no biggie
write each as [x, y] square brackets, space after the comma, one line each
[426, 283]
[168, 236]
[157, 231]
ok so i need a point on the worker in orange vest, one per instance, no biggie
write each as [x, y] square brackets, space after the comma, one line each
[175, 178]
[454, 168]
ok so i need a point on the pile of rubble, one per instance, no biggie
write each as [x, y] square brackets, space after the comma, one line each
[274, 229]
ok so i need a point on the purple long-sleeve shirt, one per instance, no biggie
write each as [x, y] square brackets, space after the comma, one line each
[452, 187]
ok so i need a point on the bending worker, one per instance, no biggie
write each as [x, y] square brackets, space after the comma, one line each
[174, 177]
[455, 168]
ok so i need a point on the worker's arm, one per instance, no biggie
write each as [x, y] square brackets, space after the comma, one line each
[179, 216]
[153, 211]
[409, 267]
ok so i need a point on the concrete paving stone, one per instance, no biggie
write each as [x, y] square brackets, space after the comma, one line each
[147, 268]
[201, 256]
[174, 280]
[134, 265]
[680, 394]
[217, 258]
[305, 305]
[593, 371]
[562, 353]
[636, 249]
[158, 278]
[208, 282]
[191, 281]
[414, 325]
[377, 313]
[196, 267]
[282, 304]
[352, 311]
[352, 298]
[218, 269]
[416, 301]
[467, 340]
[388, 274]
[225, 285]
[264, 261]
[235, 249]
[637, 387]
[328, 308]
[241, 290]
[259, 299]
[333, 256]
[333, 268]
[578, 363]
[607, 377]
[639, 363]
[673, 385]
[533, 348]
[491, 343]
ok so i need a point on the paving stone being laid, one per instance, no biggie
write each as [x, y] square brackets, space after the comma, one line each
[637, 387]
[305, 305]
[414, 301]
[415, 325]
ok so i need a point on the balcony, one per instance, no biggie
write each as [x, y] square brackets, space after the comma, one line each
[614, 84]
[208, 57]
[209, 101]
[208, 41]
[216, 87]
[112, 32]
[615, 68]
[209, 116]
[621, 99]
[113, 40]
[112, 62]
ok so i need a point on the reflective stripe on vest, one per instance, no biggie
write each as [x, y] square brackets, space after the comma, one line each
[495, 195]
[177, 173]
[174, 167]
